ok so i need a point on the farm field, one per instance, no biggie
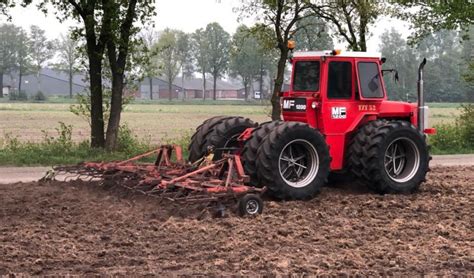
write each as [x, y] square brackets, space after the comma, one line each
[80, 229]
[157, 122]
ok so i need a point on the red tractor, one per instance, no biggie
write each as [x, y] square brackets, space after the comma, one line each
[336, 119]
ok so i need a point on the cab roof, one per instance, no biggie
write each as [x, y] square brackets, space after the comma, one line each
[329, 53]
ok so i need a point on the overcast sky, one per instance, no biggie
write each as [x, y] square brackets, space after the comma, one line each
[186, 15]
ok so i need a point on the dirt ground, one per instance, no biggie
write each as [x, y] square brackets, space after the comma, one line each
[59, 228]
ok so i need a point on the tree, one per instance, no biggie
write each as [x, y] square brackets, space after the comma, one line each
[350, 20]
[105, 25]
[199, 46]
[23, 56]
[185, 57]
[168, 56]
[245, 57]
[149, 39]
[219, 42]
[121, 41]
[8, 40]
[428, 17]
[401, 57]
[312, 34]
[68, 58]
[281, 16]
[41, 49]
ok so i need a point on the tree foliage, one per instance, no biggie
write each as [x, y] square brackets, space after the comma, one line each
[199, 46]
[218, 52]
[8, 44]
[281, 17]
[168, 56]
[68, 58]
[428, 17]
[443, 80]
[245, 57]
[350, 20]
[312, 34]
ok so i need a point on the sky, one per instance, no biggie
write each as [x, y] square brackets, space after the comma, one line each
[186, 15]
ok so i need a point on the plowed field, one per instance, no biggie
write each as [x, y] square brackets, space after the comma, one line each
[78, 228]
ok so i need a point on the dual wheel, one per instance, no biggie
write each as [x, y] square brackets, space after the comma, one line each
[292, 159]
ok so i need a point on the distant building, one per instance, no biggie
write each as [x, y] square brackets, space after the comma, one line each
[191, 88]
[50, 82]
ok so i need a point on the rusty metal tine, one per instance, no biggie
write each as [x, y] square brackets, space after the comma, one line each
[198, 171]
[179, 154]
[230, 169]
[158, 157]
[138, 157]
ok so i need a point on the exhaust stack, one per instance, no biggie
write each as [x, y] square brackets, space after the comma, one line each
[422, 109]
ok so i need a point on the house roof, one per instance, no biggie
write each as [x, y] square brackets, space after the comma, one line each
[196, 83]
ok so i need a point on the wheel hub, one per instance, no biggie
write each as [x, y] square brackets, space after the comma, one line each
[401, 160]
[252, 207]
[298, 163]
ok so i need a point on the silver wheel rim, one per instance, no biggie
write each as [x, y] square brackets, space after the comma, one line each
[298, 163]
[402, 160]
[251, 207]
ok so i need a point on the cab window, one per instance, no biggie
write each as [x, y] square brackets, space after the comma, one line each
[369, 79]
[340, 80]
[306, 76]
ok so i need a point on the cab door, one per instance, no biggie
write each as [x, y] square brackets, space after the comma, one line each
[338, 106]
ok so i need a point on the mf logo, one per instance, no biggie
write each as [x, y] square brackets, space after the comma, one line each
[288, 103]
[338, 113]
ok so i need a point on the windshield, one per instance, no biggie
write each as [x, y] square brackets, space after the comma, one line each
[306, 76]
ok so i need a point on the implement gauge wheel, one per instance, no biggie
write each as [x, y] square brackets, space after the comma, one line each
[250, 204]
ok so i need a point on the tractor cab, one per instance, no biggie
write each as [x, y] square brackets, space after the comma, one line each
[337, 92]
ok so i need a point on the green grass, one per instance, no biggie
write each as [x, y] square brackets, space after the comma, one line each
[61, 150]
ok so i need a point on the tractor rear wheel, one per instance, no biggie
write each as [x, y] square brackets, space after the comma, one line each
[249, 151]
[293, 161]
[219, 132]
[394, 157]
[196, 147]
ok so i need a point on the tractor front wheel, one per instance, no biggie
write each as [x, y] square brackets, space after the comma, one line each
[293, 161]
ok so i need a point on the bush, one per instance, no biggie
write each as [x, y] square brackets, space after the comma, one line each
[18, 95]
[39, 96]
[457, 137]
[466, 124]
[62, 150]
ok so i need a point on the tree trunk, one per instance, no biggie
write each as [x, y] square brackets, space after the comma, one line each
[260, 81]
[214, 87]
[20, 75]
[203, 85]
[115, 112]
[97, 113]
[276, 108]
[38, 79]
[70, 83]
[150, 79]
[1, 84]
[170, 88]
[182, 83]
[246, 90]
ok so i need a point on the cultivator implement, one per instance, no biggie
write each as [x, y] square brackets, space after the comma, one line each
[218, 182]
